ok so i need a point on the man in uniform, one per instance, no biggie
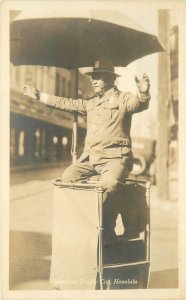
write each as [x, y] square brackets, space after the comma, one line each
[107, 150]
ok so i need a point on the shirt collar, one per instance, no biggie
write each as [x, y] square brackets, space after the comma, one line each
[114, 90]
[108, 92]
[107, 95]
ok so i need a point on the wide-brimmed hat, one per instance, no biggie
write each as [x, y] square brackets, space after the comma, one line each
[103, 65]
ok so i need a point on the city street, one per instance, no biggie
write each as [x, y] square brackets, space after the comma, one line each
[31, 229]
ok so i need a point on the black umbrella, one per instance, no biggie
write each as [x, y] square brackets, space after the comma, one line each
[74, 39]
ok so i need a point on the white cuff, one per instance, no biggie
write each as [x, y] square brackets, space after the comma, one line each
[44, 98]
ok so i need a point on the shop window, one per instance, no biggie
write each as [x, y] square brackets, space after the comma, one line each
[55, 140]
[57, 89]
[64, 140]
[43, 142]
[12, 142]
[37, 135]
[29, 75]
[17, 74]
[69, 89]
[41, 85]
[64, 87]
[21, 148]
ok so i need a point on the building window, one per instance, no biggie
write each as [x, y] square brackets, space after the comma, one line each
[64, 140]
[17, 74]
[37, 135]
[64, 87]
[12, 142]
[55, 139]
[69, 89]
[29, 75]
[43, 143]
[21, 149]
[41, 79]
[57, 89]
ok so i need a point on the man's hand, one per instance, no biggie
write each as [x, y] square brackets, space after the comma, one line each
[143, 84]
[31, 92]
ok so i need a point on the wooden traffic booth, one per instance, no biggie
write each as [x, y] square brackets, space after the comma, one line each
[81, 258]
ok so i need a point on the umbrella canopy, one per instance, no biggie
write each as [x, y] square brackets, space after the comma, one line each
[74, 39]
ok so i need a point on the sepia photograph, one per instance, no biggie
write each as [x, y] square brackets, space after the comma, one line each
[91, 176]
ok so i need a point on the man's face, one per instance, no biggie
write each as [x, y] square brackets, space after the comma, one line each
[99, 83]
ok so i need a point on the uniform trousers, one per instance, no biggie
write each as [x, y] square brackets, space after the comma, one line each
[112, 175]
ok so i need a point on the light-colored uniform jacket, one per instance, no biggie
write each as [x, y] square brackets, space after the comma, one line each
[108, 122]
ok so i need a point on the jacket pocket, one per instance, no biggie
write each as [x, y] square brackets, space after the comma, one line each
[104, 113]
[109, 109]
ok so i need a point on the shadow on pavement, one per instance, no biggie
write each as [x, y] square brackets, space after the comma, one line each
[30, 256]
[30, 259]
[164, 279]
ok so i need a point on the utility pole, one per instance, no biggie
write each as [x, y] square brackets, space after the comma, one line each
[164, 98]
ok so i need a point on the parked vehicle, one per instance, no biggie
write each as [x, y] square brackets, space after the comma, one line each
[144, 157]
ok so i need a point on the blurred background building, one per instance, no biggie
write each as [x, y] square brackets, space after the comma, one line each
[38, 134]
[166, 164]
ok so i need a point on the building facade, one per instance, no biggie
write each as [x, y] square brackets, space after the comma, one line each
[39, 134]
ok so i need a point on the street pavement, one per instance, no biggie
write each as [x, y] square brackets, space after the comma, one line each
[31, 194]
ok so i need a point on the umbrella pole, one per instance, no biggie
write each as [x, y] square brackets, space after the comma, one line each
[74, 137]
[75, 122]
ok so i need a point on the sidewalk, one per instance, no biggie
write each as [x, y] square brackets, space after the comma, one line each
[31, 229]
[164, 243]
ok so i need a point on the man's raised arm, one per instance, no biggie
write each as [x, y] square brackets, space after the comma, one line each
[140, 102]
[61, 103]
